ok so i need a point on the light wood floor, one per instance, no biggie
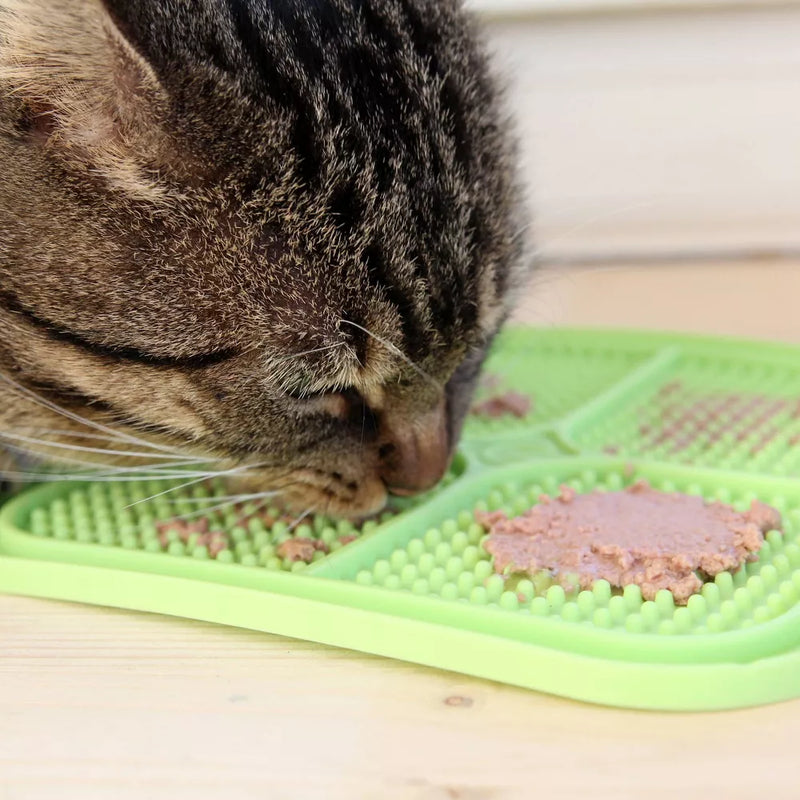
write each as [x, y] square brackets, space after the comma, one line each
[99, 704]
[758, 298]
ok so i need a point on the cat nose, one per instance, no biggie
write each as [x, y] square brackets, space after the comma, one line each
[414, 453]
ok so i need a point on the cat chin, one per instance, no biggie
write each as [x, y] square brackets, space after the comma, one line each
[305, 491]
[368, 499]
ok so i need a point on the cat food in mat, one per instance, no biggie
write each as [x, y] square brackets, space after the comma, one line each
[641, 536]
[509, 404]
[301, 549]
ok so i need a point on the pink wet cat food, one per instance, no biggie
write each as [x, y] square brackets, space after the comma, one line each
[501, 405]
[641, 536]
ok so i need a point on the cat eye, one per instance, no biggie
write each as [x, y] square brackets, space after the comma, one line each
[343, 404]
[118, 353]
[199, 361]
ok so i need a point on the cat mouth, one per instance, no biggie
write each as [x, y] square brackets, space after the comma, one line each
[368, 499]
[308, 491]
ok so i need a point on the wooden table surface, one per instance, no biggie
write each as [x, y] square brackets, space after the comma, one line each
[98, 703]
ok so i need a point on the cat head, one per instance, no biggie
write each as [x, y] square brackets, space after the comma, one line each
[277, 234]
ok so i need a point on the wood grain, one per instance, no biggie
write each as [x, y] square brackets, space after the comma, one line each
[105, 704]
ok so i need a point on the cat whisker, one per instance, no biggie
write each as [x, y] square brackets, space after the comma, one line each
[218, 474]
[266, 496]
[234, 498]
[174, 469]
[392, 348]
[310, 352]
[66, 433]
[49, 404]
[540, 254]
[100, 471]
[99, 467]
[306, 513]
[101, 451]
[171, 489]
[82, 477]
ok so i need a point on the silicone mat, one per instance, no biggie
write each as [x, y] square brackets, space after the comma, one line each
[716, 418]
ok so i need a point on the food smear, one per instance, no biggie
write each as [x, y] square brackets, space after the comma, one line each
[502, 405]
[656, 540]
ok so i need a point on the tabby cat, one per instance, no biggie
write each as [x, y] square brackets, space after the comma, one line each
[270, 237]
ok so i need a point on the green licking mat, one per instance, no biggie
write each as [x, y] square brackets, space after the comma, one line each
[714, 418]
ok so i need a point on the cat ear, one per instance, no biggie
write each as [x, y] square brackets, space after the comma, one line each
[83, 91]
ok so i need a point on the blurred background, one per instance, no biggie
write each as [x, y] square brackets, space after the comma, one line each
[661, 145]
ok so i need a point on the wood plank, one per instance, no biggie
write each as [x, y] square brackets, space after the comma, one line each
[98, 704]
[658, 133]
[756, 300]
[500, 7]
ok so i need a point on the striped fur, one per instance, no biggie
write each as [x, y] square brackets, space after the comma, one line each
[243, 201]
